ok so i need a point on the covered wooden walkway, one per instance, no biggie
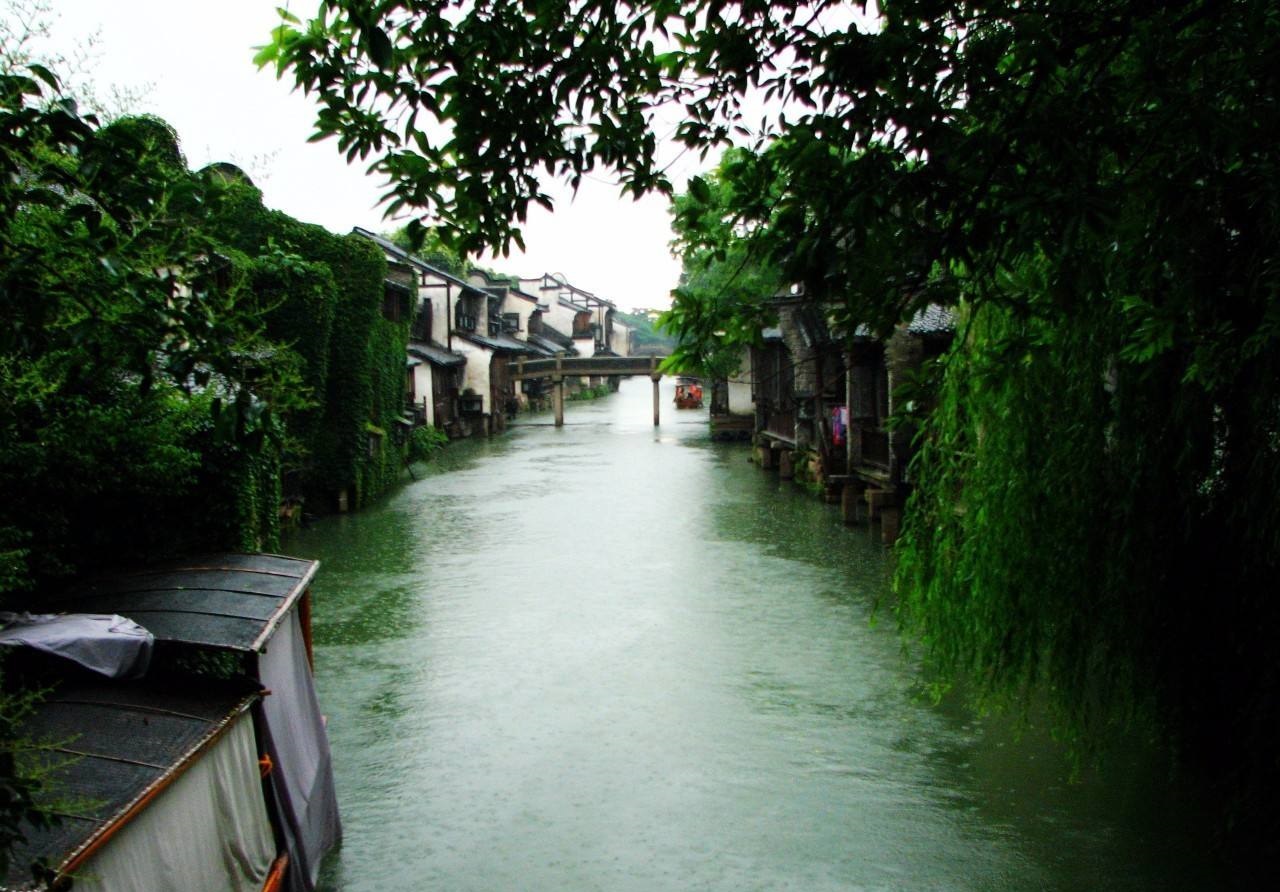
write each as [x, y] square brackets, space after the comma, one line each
[559, 367]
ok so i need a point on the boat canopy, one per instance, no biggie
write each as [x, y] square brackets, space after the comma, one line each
[111, 750]
[256, 605]
[226, 601]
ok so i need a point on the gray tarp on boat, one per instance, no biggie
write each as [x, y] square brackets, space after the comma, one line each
[299, 747]
[109, 645]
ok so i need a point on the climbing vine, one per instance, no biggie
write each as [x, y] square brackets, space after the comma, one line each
[321, 294]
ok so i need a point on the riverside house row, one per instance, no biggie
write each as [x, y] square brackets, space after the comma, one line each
[465, 332]
[817, 406]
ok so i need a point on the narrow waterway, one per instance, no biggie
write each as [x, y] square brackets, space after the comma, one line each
[613, 657]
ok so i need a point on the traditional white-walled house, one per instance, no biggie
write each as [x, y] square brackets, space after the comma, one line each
[516, 315]
[828, 401]
[465, 333]
[581, 315]
[515, 306]
[878, 455]
[434, 369]
[733, 405]
[555, 314]
[621, 337]
[458, 320]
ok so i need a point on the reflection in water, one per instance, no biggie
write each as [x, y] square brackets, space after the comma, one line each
[606, 657]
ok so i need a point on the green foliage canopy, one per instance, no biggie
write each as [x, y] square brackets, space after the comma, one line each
[726, 281]
[323, 295]
[127, 337]
[133, 376]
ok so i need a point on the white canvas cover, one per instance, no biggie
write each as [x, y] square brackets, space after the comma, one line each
[208, 832]
[299, 747]
[104, 643]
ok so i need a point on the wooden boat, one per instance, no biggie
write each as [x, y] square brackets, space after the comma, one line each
[188, 778]
[688, 394]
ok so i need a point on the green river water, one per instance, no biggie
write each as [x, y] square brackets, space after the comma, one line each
[614, 657]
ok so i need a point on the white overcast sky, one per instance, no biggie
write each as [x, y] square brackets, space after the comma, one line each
[195, 58]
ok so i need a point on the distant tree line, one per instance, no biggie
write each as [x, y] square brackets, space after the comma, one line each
[647, 337]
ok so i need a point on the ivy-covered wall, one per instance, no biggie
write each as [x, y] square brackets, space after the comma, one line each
[343, 451]
[387, 378]
[301, 298]
[176, 359]
[322, 295]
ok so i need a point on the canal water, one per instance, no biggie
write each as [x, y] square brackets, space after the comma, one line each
[614, 657]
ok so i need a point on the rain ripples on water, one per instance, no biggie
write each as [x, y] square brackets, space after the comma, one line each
[606, 657]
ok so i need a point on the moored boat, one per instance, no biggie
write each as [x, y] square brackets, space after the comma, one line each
[688, 393]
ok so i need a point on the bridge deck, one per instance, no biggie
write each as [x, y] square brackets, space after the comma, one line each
[585, 365]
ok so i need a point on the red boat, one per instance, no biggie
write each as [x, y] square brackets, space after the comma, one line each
[688, 395]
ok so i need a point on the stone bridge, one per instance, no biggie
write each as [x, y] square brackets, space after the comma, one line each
[559, 367]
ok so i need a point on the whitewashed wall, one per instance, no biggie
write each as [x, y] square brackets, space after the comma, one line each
[740, 388]
[476, 376]
[621, 338]
[559, 317]
[422, 389]
[514, 302]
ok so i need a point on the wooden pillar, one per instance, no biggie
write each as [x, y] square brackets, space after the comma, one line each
[768, 458]
[851, 460]
[557, 387]
[849, 497]
[890, 523]
[877, 499]
[653, 373]
[786, 464]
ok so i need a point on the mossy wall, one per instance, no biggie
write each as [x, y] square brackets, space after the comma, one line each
[387, 377]
[322, 295]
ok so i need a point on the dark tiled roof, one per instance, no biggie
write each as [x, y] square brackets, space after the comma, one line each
[554, 336]
[399, 253]
[933, 319]
[435, 354]
[549, 346]
[224, 601]
[503, 343]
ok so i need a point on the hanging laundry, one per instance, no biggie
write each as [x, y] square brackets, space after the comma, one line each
[839, 424]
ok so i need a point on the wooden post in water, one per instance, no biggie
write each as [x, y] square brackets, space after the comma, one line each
[850, 498]
[890, 523]
[557, 381]
[653, 373]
